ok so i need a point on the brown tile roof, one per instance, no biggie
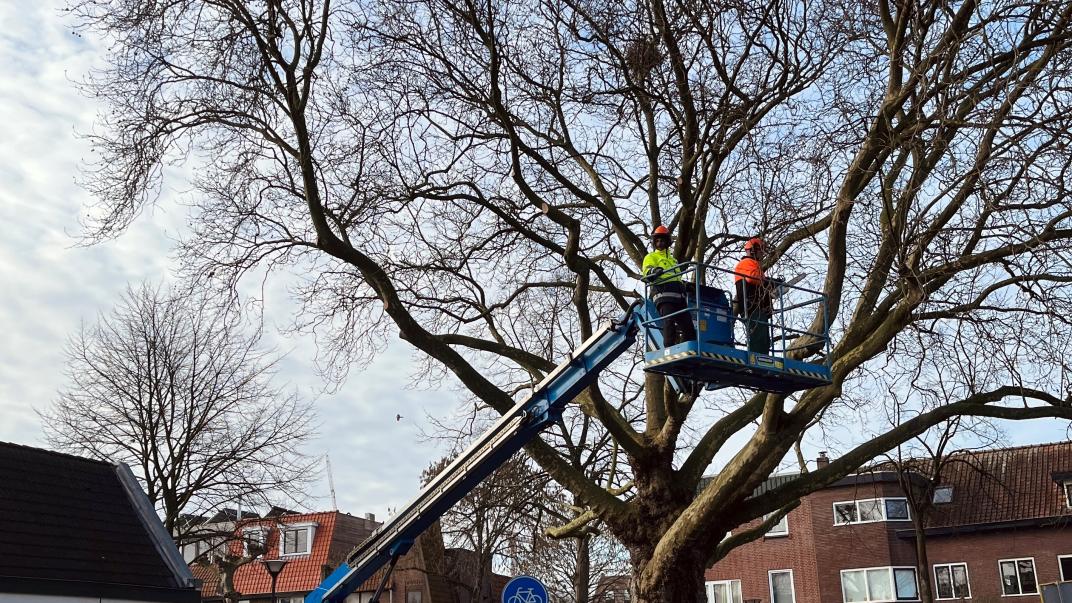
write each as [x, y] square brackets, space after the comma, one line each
[210, 579]
[1005, 485]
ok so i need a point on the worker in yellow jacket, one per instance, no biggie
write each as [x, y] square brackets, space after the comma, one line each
[667, 289]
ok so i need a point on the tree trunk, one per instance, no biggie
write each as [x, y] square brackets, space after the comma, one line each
[922, 563]
[680, 581]
[582, 575]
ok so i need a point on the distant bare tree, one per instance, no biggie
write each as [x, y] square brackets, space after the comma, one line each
[178, 388]
[491, 519]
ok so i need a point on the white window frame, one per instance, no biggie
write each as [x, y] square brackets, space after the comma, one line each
[709, 588]
[967, 578]
[882, 506]
[1001, 577]
[309, 527]
[792, 583]
[1060, 572]
[772, 533]
[893, 582]
[1067, 484]
[245, 542]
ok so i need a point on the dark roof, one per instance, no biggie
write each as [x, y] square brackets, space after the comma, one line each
[72, 521]
[768, 484]
[279, 512]
[1005, 485]
[231, 515]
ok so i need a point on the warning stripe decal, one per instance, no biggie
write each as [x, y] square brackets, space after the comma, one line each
[678, 356]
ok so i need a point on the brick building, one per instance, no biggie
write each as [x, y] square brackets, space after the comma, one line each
[314, 544]
[1000, 528]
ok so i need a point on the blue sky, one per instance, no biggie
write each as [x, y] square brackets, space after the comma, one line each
[50, 285]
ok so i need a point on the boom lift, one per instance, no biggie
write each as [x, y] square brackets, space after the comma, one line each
[713, 358]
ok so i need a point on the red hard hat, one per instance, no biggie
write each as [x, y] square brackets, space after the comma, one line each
[661, 231]
[754, 242]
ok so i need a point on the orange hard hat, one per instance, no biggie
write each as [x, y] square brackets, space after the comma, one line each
[661, 231]
[754, 242]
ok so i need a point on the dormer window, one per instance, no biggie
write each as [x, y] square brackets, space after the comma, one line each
[1068, 493]
[943, 495]
[297, 539]
[253, 541]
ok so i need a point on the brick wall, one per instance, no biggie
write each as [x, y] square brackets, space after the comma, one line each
[856, 545]
[817, 550]
[981, 551]
[751, 562]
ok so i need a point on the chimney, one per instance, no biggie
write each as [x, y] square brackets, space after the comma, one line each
[822, 461]
[370, 516]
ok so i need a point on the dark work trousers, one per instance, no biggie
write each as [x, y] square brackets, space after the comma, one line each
[759, 331]
[670, 298]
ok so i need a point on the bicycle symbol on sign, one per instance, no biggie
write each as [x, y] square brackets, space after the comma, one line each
[525, 595]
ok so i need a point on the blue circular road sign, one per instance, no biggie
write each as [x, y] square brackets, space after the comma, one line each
[524, 589]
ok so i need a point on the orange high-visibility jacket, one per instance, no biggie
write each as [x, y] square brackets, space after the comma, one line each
[750, 285]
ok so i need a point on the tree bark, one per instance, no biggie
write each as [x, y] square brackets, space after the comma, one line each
[679, 580]
[922, 562]
[582, 575]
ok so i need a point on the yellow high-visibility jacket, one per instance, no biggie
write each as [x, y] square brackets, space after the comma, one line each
[664, 260]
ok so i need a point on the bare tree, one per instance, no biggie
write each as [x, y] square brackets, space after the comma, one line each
[176, 387]
[450, 171]
[924, 465]
[491, 520]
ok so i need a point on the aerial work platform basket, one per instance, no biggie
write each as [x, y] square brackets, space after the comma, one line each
[719, 356]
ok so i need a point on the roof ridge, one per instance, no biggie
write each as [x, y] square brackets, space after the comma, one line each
[58, 453]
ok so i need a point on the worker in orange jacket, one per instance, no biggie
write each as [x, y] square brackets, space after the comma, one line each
[667, 289]
[753, 301]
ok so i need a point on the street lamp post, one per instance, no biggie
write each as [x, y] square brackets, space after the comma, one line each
[274, 567]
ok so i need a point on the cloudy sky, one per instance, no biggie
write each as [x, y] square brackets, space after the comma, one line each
[50, 285]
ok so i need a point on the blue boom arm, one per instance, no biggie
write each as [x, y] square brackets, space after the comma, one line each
[516, 428]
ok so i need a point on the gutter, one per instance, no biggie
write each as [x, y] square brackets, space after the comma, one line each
[972, 528]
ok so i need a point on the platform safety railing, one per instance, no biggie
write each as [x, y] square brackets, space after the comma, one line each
[793, 308]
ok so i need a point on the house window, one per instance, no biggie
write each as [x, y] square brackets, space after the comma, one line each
[781, 586]
[951, 581]
[870, 510]
[724, 591]
[253, 541]
[779, 529]
[413, 596]
[1065, 563]
[297, 539]
[943, 495]
[1018, 576]
[1068, 494]
[879, 584]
